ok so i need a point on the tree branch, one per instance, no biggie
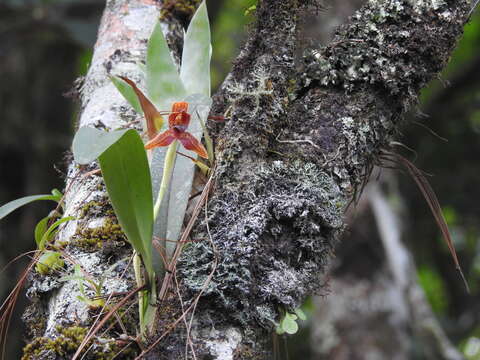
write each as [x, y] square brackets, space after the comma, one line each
[277, 207]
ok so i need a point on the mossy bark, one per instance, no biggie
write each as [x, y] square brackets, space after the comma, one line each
[300, 143]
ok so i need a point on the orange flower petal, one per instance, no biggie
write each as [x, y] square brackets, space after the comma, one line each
[180, 106]
[190, 143]
[163, 139]
[153, 117]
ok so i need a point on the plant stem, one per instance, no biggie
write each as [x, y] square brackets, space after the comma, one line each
[137, 269]
[146, 311]
[166, 176]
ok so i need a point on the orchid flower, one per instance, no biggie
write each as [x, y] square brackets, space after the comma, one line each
[178, 121]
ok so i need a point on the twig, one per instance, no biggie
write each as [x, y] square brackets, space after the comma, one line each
[189, 339]
[306, 141]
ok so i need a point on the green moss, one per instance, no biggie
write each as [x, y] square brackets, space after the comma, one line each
[182, 9]
[92, 239]
[95, 208]
[67, 343]
[59, 245]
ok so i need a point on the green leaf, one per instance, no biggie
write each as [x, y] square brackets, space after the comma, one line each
[163, 82]
[195, 69]
[41, 229]
[58, 194]
[288, 324]
[127, 92]
[127, 177]
[51, 231]
[15, 204]
[48, 262]
[89, 143]
[250, 10]
[279, 330]
[301, 315]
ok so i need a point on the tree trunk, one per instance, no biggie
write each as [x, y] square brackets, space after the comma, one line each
[301, 142]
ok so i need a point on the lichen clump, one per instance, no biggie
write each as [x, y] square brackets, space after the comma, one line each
[272, 243]
[378, 47]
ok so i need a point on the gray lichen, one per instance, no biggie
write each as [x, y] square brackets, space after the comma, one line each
[391, 45]
[273, 236]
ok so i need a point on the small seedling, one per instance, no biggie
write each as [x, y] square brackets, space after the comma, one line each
[98, 302]
[288, 322]
[49, 262]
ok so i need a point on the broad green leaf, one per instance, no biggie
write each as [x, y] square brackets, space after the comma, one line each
[195, 76]
[127, 92]
[163, 82]
[51, 231]
[89, 143]
[127, 178]
[15, 204]
[195, 69]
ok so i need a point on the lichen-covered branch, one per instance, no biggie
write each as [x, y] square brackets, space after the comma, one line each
[298, 147]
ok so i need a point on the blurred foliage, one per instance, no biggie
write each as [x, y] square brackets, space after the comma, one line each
[84, 61]
[434, 288]
[452, 103]
[471, 346]
[228, 33]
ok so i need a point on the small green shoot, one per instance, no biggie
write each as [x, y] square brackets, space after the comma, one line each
[96, 287]
[288, 322]
[250, 10]
[42, 237]
[48, 262]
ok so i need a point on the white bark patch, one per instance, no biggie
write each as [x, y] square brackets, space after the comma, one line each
[223, 343]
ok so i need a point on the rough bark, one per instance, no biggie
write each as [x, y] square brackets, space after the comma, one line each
[298, 147]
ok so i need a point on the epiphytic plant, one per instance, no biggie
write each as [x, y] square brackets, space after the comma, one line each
[125, 166]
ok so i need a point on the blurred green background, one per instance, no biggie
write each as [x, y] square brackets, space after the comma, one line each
[46, 45]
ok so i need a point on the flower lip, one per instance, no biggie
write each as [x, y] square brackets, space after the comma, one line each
[179, 119]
